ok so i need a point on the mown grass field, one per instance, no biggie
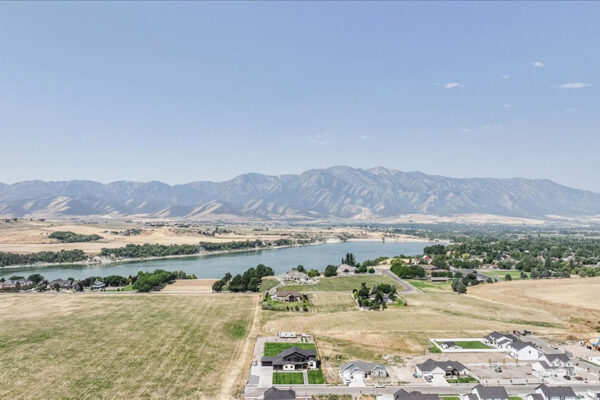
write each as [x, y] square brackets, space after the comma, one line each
[288, 378]
[274, 348]
[343, 283]
[74, 346]
[429, 287]
[501, 273]
[471, 344]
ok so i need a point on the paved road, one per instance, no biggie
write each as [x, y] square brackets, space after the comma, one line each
[309, 390]
[408, 288]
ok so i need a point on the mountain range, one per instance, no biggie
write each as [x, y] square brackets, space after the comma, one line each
[340, 193]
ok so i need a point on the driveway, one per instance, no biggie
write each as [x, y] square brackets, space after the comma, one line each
[408, 288]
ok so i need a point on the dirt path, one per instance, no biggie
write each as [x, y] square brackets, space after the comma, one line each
[235, 379]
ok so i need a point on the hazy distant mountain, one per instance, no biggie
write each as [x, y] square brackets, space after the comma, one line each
[332, 193]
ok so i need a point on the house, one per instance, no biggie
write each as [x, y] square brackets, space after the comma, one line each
[292, 359]
[273, 393]
[558, 364]
[352, 369]
[294, 275]
[554, 393]
[493, 338]
[481, 392]
[404, 395]
[441, 368]
[288, 295]
[448, 345]
[98, 285]
[345, 269]
[523, 351]
[593, 344]
[16, 284]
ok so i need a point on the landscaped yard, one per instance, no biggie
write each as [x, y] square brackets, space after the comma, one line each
[471, 344]
[463, 379]
[315, 376]
[81, 346]
[277, 305]
[288, 378]
[343, 283]
[274, 348]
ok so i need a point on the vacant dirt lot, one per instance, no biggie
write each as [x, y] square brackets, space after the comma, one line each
[190, 286]
[57, 346]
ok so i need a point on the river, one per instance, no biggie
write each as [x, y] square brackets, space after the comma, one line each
[216, 265]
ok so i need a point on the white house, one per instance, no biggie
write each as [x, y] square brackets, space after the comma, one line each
[345, 269]
[523, 351]
[553, 365]
[545, 392]
[442, 369]
[358, 368]
[496, 339]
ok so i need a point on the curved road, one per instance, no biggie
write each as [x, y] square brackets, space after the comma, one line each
[408, 288]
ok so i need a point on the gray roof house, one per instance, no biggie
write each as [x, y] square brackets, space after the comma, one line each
[495, 338]
[442, 368]
[557, 364]
[523, 350]
[292, 359]
[489, 393]
[404, 395]
[362, 368]
[345, 269]
[556, 392]
[273, 393]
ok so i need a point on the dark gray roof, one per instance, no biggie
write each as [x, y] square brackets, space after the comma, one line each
[362, 365]
[536, 396]
[404, 395]
[491, 392]
[557, 391]
[495, 335]
[521, 345]
[273, 393]
[430, 365]
[304, 352]
[561, 356]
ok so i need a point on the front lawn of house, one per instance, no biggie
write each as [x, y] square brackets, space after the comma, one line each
[315, 376]
[274, 348]
[288, 378]
[463, 379]
[471, 344]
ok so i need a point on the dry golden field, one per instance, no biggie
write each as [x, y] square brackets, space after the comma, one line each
[124, 346]
[32, 236]
[190, 286]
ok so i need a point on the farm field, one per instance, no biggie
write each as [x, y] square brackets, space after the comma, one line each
[344, 283]
[501, 273]
[427, 286]
[124, 346]
[190, 286]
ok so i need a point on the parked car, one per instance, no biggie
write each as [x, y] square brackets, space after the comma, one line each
[567, 377]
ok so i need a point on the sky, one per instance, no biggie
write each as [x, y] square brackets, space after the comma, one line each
[187, 91]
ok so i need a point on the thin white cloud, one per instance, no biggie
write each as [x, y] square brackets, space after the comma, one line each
[321, 138]
[569, 110]
[466, 130]
[574, 85]
[364, 137]
[507, 105]
[453, 85]
[506, 76]
[538, 64]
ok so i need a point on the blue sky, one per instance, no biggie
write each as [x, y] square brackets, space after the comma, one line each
[192, 91]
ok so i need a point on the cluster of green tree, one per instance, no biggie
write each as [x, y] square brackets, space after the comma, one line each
[150, 250]
[330, 270]
[72, 237]
[434, 249]
[312, 273]
[405, 271]
[248, 244]
[372, 263]
[349, 260]
[249, 281]
[374, 298]
[149, 281]
[63, 256]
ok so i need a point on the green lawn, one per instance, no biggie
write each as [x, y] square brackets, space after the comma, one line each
[501, 273]
[288, 378]
[267, 283]
[274, 348]
[471, 344]
[451, 398]
[464, 379]
[344, 283]
[315, 376]
[427, 286]
[515, 398]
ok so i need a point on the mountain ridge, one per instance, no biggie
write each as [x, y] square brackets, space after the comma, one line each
[337, 192]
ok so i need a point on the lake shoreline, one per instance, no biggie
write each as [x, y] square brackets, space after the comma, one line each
[98, 260]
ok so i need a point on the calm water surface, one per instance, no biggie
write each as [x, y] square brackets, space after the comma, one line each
[215, 266]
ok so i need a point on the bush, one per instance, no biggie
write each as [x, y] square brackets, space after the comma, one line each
[148, 281]
[331, 270]
[72, 237]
